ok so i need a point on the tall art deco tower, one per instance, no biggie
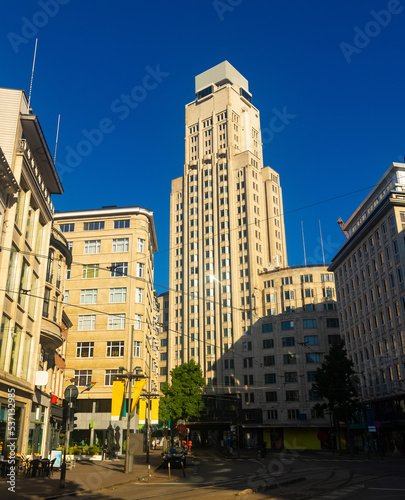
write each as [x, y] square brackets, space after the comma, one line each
[226, 226]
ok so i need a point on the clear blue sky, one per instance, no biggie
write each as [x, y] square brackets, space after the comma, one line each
[344, 104]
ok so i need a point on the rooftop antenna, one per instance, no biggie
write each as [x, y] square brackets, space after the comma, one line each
[56, 142]
[303, 243]
[320, 231]
[32, 73]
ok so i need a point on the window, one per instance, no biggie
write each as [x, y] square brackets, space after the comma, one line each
[311, 340]
[268, 361]
[247, 362]
[83, 377]
[90, 271]
[139, 295]
[332, 322]
[288, 341]
[269, 378]
[267, 327]
[287, 325]
[115, 349]
[272, 414]
[138, 322]
[141, 245]
[290, 359]
[140, 269]
[116, 321]
[138, 349]
[87, 322]
[88, 296]
[271, 397]
[268, 344]
[110, 376]
[291, 395]
[119, 269]
[312, 357]
[118, 294]
[47, 298]
[333, 339]
[290, 377]
[120, 245]
[92, 246]
[121, 224]
[309, 323]
[311, 376]
[93, 226]
[293, 414]
[66, 228]
[84, 349]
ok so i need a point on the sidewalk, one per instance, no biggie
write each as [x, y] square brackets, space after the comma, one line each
[87, 475]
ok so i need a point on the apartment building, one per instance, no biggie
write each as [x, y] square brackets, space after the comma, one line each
[33, 259]
[276, 364]
[226, 226]
[369, 270]
[113, 308]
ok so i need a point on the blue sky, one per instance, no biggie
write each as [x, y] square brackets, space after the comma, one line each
[334, 69]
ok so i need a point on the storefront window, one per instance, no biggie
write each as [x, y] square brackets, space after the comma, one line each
[4, 437]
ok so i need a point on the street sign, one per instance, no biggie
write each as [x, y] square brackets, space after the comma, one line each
[371, 428]
[71, 393]
[377, 423]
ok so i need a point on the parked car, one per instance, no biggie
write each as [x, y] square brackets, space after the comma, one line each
[174, 456]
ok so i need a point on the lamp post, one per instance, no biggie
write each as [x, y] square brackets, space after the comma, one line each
[135, 375]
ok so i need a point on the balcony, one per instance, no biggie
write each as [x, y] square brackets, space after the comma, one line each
[51, 334]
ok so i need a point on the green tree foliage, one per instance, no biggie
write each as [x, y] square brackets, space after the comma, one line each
[182, 398]
[335, 381]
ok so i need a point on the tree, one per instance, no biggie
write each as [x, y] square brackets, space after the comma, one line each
[335, 381]
[183, 398]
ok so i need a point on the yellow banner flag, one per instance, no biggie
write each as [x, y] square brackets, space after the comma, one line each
[138, 386]
[154, 414]
[117, 399]
[142, 411]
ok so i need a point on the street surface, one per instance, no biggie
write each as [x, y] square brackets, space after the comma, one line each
[286, 475]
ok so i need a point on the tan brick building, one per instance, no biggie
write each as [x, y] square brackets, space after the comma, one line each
[113, 307]
[226, 224]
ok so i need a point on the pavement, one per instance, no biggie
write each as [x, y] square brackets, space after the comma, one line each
[88, 476]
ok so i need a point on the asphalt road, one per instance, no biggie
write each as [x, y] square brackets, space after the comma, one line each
[289, 476]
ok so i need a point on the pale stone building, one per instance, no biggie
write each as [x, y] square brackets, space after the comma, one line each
[275, 365]
[30, 301]
[112, 304]
[226, 226]
[369, 270]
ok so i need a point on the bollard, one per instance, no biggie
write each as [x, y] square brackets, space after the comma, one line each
[168, 468]
[148, 473]
[184, 472]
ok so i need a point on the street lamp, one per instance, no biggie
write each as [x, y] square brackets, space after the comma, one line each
[135, 375]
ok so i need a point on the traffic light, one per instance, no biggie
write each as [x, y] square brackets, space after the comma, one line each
[72, 418]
